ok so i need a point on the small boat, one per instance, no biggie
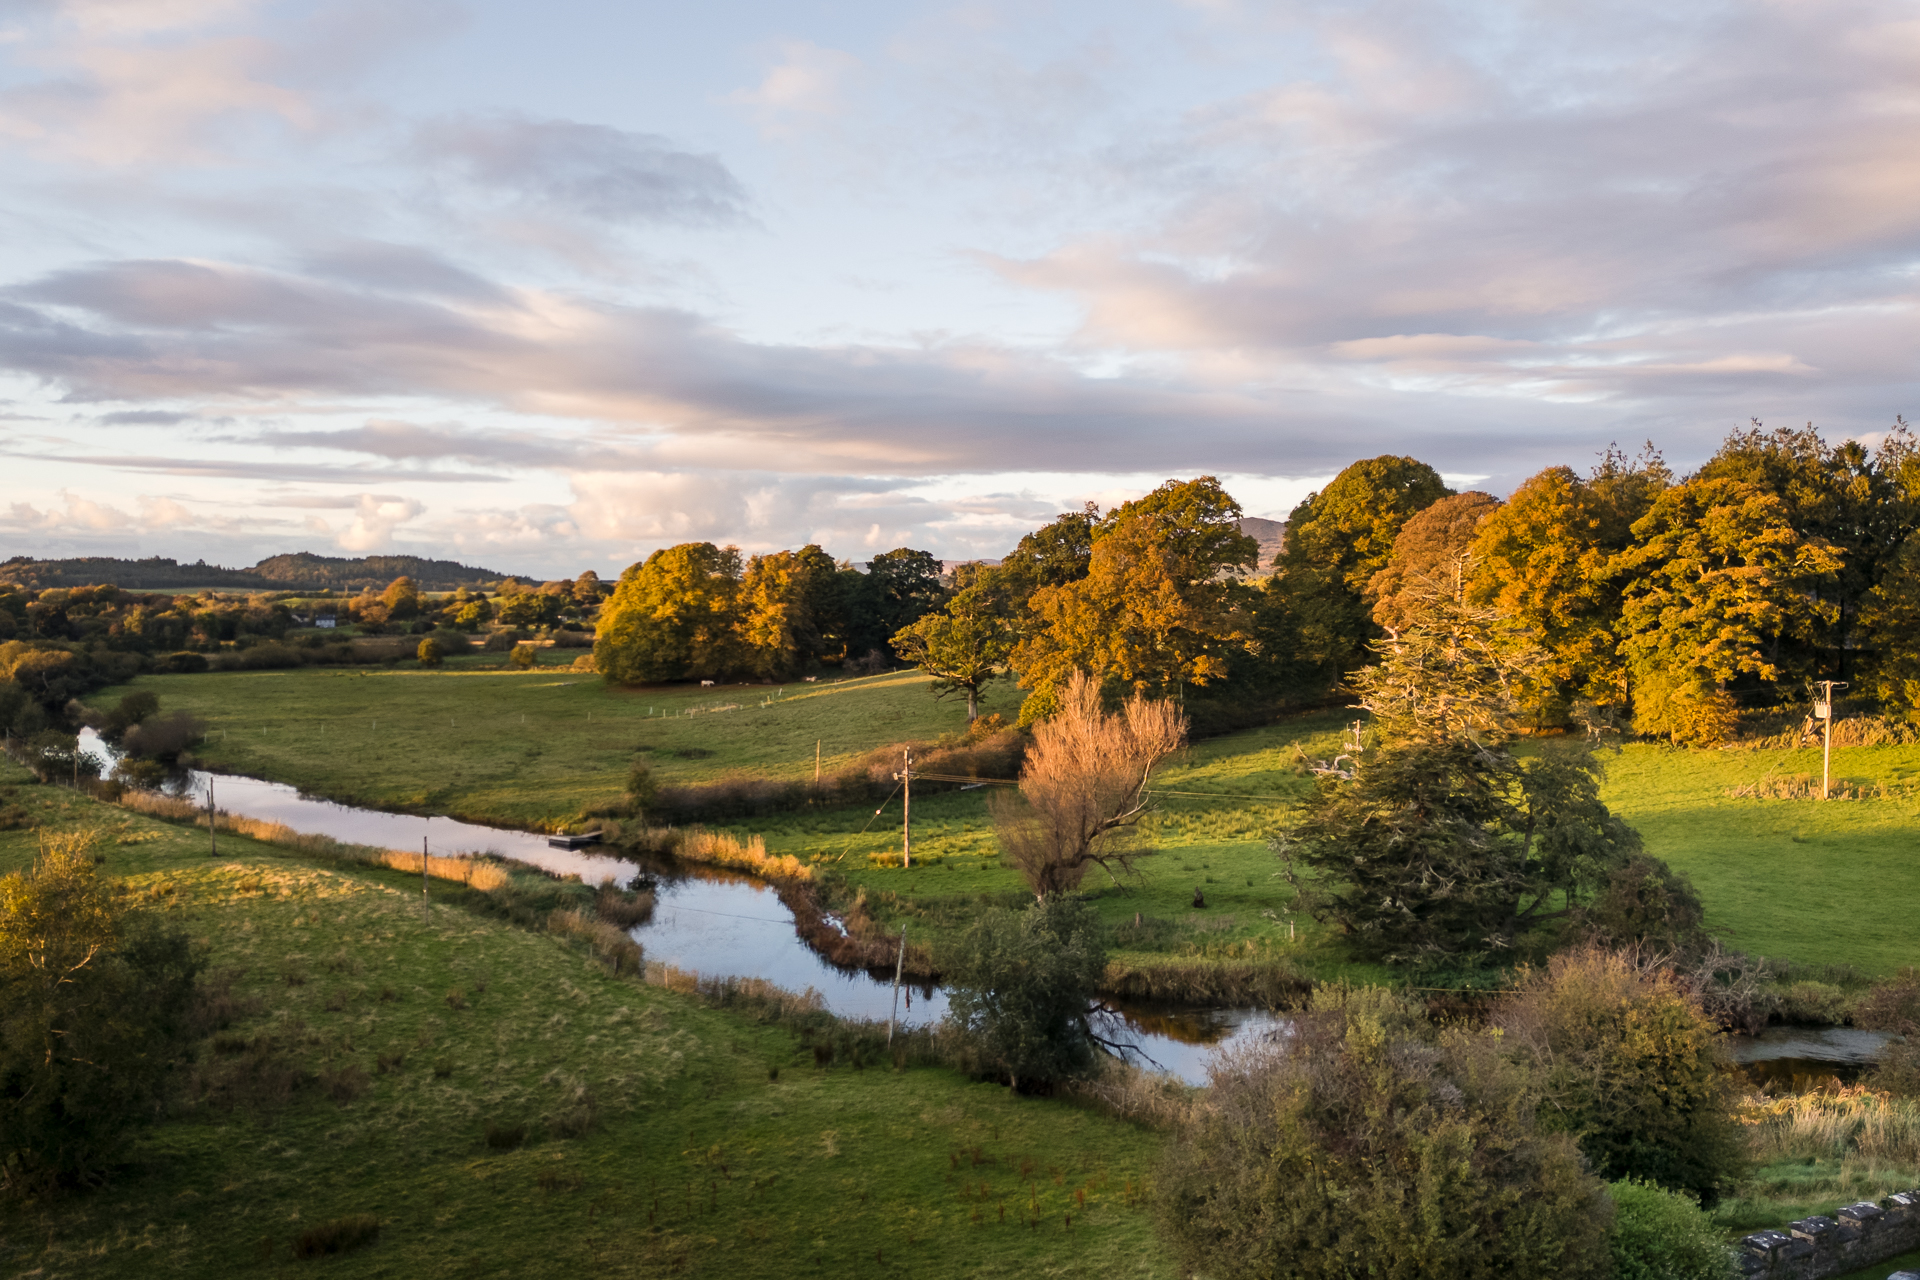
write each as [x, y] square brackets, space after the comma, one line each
[573, 842]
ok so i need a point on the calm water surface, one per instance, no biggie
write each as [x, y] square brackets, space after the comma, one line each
[711, 922]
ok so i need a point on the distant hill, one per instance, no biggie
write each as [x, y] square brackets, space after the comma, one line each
[301, 571]
[1270, 534]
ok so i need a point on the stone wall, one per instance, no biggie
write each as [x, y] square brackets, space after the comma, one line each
[1855, 1237]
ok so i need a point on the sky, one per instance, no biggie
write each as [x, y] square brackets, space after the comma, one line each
[547, 287]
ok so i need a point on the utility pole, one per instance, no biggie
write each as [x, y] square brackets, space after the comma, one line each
[906, 811]
[816, 762]
[1823, 710]
[213, 821]
[426, 898]
[899, 964]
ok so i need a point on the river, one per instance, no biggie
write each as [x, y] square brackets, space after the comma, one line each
[711, 922]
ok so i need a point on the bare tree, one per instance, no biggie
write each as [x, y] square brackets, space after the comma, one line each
[1084, 782]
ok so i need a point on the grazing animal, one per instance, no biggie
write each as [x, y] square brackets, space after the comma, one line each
[809, 679]
[706, 684]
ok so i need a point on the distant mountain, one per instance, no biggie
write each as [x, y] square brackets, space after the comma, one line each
[302, 571]
[1270, 534]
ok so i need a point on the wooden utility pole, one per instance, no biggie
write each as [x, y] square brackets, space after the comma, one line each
[816, 762]
[906, 812]
[1823, 709]
[898, 964]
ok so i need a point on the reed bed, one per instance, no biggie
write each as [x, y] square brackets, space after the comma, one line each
[608, 942]
[718, 849]
[1834, 1123]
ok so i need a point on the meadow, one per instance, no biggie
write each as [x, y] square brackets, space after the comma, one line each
[1815, 883]
[501, 1104]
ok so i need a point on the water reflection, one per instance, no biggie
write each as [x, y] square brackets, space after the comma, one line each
[711, 922]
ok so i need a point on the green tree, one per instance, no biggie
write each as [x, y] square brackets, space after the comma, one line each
[1337, 540]
[1369, 1144]
[1715, 579]
[673, 617]
[1156, 610]
[94, 1005]
[1626, 1062]
[523, 656]
[898, 589]
[1443, 846]
[963, 646]
[1021, 993]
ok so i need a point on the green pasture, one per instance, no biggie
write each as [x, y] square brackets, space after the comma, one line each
[486, 743]
[717, 1147]
[1833, 882]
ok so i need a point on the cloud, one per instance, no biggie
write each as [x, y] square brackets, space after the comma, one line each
[375, 518]
[808, 81]
[587, 170]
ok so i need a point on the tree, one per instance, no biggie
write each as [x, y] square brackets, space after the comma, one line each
[1427, 548]
[962, 646]
[1021, 991]
[523, 656]
[898, 589]
[1443, 847]
[1084, 783]
[673, 617]
[1336, 541]
[1628, 1064]
[430, 653]
[1892, 615]
[1366, 1143]
[1715, 580]
[1548, 560]
[93, 1016]
[788, 601]
[1155, 612]
[402, 599]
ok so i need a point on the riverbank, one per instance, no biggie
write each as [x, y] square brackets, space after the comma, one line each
[373, 1048]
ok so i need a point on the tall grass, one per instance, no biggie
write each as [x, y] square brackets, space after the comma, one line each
[1834, 1123]
[719, 849]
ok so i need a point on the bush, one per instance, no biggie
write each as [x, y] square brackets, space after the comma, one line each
[1021, 990]
[1367, 1144]
[1644, 902]
[430, 653]
[183, 663]
[1662, 1235]
[523, 656]
[504, 641]
[1895, 1006]
[163, 738]
[1628, 1062]
[94, 1014]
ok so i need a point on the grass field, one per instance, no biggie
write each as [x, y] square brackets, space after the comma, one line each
[486, 743]
[1816, 883]
[717, 1147]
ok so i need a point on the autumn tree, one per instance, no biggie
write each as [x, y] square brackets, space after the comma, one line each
[963, 646]
[1155, 611]
[1315, 614]
[672, 617]
[402, 600]
[1084, 784]
[1715, 579]
[785, 605]
[1427, 548]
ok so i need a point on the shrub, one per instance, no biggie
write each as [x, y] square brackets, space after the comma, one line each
[1644, 902]
[183, 663]
[504, 641]
[430, 652]
[163, 738]
[1663, 1235]
[95, 1010]
[1895, 1006]
[1367, 1144]
[1022, 989]
[523, 656]
[338, 1236]
[1627, 1062]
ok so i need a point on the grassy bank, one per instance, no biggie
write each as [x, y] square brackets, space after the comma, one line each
[373, 1049]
